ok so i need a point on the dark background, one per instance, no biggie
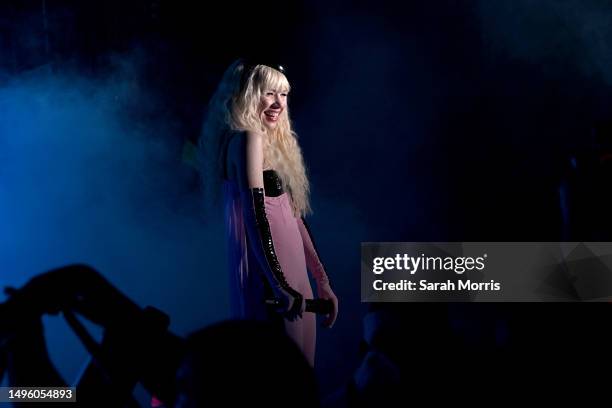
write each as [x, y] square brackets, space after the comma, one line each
[430, 121]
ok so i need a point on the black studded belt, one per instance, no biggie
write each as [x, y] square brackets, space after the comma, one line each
[272, 183]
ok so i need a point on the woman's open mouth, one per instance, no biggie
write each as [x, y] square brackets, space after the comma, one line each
[272, 116]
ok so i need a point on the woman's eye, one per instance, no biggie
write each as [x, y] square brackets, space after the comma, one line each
[269, 93]
[284, 94]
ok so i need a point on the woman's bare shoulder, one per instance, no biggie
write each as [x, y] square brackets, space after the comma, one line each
[245, 158]
[239, 139]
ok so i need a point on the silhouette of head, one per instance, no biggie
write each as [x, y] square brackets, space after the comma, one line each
[244, 362]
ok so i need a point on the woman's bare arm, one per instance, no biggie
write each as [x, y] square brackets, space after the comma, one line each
[247, 154]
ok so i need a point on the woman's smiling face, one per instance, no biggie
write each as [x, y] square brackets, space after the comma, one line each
[272, 104]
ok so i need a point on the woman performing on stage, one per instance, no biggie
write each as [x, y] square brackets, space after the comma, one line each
[250, 152]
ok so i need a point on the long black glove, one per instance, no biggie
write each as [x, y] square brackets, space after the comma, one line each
[260, 239]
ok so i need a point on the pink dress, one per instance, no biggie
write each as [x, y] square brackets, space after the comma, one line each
[248, 284]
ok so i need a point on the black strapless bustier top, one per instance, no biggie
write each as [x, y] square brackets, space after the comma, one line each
[272, 183]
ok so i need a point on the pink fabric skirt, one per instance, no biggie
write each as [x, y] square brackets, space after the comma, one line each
[248, 287]
[290, 253]
[288, 243]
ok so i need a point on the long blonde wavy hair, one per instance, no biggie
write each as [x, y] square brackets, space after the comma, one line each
[236, 107]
